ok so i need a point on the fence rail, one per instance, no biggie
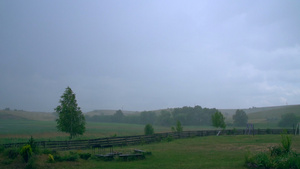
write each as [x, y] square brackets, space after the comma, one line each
[141, 139]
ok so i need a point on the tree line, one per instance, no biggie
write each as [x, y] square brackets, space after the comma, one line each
[71, 119]
[196, 116]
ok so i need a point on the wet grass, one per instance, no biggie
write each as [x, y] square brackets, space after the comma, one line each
[199, 152]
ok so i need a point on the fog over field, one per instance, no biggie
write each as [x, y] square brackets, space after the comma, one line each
[149, 55]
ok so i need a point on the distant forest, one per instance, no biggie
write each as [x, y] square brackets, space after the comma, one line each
[190, 116]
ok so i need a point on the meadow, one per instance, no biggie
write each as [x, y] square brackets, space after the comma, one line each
[14, 131]
[224, 152]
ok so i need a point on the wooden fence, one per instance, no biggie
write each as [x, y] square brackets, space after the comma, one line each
[141, 139]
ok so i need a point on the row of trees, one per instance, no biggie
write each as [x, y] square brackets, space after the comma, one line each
[240, 118]
[186, 115]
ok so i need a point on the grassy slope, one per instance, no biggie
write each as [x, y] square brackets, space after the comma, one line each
[109, 112]
[40, 116]
[274, 113]
[262, 114]
[201, 152]
[255, 114]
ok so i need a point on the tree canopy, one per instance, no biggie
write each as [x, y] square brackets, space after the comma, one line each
[148, 130]
[288, 120]
[218, 120]
[70, 118]
[240, 118]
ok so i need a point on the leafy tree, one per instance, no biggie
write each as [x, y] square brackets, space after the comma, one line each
[179, 127]
[164, 119]
[218, 120]
[148, 130]
[71, 120]
[287, 120]
[240, 118]
[148, 117]
[118, 116]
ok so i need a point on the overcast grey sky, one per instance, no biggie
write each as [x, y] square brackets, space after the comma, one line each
[146, 55]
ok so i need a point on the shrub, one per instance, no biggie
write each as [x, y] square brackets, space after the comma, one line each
[70, 157]
[32, 144]
[50, 158]
[1, 148]
[26, 152]
[11, 153]
[57, 157]
[31, 164]
[280, 157]
[85, 156]
[276, 151]
[286, 142]
[7, 161]
[148, 130]
[169, 138]
[46, 151]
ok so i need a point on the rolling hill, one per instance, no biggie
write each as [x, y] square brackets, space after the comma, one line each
[255, 114]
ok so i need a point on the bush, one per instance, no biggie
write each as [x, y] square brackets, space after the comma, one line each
[26, 152]
[1, 148]
[276, 151]
[31, 164]
[46, 151]
[85, 156]
[70, 157]
[32, 144]
[11, 153]
[169, 138]
[286, 142]
[57, 157]
[260, 160]
[148, 130]
[280, 157]
[50, 158]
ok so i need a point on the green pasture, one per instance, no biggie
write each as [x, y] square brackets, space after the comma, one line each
[20, 130]
[224, 152]
[13, 131]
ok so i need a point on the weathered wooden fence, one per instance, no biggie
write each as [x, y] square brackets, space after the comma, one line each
[141, 139]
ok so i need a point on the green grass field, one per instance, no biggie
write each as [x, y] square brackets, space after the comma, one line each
[17, 130]
[224, 152]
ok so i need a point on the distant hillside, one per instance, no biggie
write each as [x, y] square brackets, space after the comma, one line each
[274, 114]
[109, 112]
[255, 114]
[264, 114]
[40, 116]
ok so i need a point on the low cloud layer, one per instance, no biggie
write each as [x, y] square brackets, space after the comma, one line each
[145, 55]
